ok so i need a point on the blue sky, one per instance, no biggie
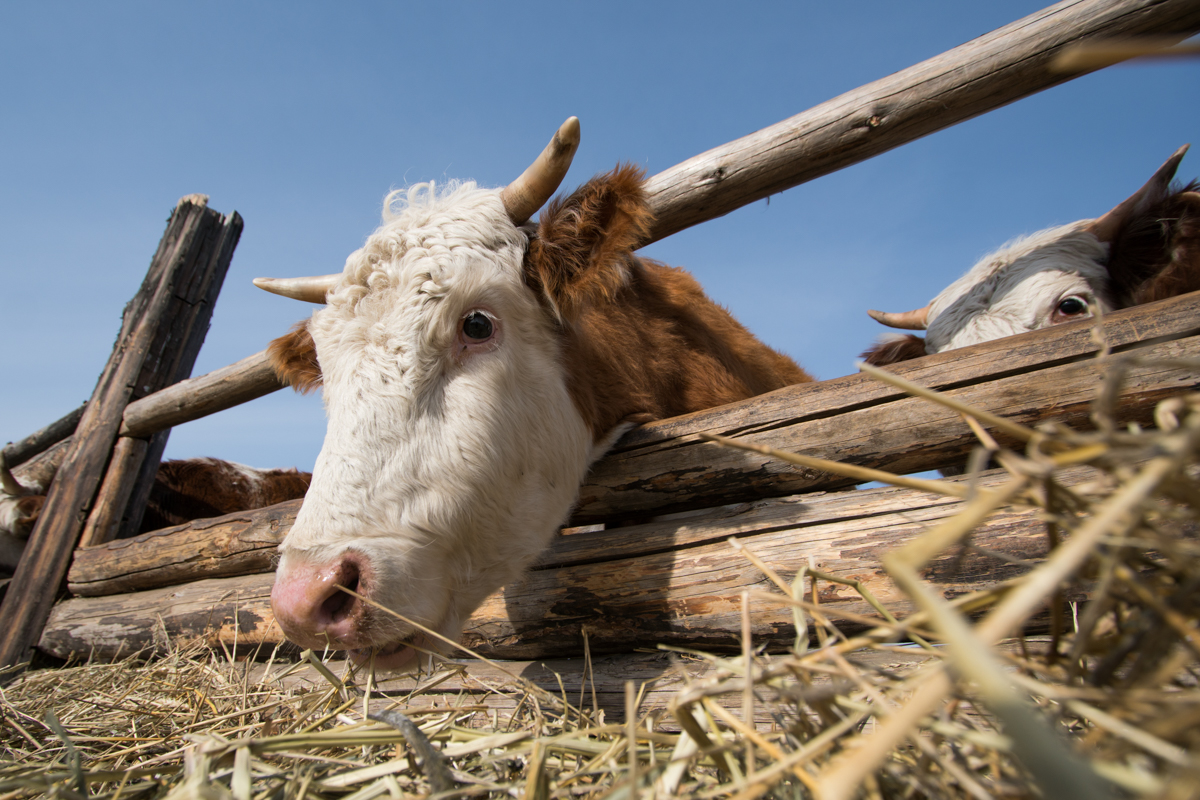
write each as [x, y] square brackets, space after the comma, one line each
[302, 116]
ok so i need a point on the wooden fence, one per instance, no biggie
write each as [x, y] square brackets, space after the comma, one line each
[679, 583]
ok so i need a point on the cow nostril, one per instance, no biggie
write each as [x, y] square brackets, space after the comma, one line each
[340, 604]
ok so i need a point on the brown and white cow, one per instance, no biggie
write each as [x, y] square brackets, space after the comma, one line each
[1147, 248]
[473, 368]
[183, 490]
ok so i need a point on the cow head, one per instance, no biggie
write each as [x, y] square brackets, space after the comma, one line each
[453, 450]
[20, 507]
[1053, 276]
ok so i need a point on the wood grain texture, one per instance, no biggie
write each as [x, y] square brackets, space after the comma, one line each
[679, 581]
[44, 564]
[40, 441]
[988, 72]
[191, 399]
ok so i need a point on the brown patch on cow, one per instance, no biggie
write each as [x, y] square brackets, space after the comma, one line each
[29, 508]
[1156, 255]
[293, 356]
[198, 488]
[584, 242]
[894, 349]
[641, 341]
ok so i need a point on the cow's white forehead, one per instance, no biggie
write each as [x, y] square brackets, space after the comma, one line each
[434, 244]
[1014, 289]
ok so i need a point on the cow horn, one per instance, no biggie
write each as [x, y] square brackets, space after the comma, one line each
[8, 481]
[915, 320]
[1106, 227]
[311, 290]
[524, 196]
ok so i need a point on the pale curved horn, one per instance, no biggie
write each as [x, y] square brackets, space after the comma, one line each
[915, 320]
[524, 196]
[1106, 227]
[311, 290]
[8, 481]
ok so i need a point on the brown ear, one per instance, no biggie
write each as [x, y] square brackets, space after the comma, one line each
[29, 508]
[894, 349]
[294, 358]
[584, 243]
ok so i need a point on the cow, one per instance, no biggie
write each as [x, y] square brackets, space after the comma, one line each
[473, 367]
[1146, 248]
[183, 490]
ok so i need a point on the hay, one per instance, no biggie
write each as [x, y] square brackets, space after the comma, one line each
[1105, 704]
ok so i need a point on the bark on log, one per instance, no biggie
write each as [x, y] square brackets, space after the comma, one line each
[679, 582]
[40, 441]
[988, 72]
[44, 564]
[238, 383]
[664, 467]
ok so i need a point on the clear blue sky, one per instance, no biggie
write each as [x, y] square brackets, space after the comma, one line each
[301, 116]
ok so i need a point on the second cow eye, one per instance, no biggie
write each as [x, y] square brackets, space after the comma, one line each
[476, 327]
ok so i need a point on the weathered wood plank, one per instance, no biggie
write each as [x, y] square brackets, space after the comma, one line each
[680, 582]
[988, 72]
[238, 383]
[235, 544]
[40, 441]
[44, 563]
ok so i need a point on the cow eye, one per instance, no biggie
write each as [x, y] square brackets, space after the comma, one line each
[476, 327]
[1072, 306]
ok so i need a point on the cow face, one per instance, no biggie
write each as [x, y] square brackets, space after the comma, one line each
[1062, 274]
[453, 450]
[1051, 277]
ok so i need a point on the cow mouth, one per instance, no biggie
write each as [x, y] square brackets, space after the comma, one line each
[400, 654]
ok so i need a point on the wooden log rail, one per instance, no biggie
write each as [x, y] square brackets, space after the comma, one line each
[988, 72]
[680, 581]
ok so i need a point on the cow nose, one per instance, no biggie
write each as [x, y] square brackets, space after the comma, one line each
[310, 606]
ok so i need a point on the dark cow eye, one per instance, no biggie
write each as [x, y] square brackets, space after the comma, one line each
[476, 327]
[1072, 306]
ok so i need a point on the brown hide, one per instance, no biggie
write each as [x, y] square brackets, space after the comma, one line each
[893, 349]
[1157, 254]
[293, 356]
[198, 488]
[640, 341]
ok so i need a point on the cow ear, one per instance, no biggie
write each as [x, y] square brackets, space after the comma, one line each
[582, 250]
[294, 358]
[29, 508]
[893, 348]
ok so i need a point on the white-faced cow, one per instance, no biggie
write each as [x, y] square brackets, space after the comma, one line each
[1145, 249]
[473, 368]
[183, 490]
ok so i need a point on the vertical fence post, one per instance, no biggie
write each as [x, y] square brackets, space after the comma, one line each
[161, 332]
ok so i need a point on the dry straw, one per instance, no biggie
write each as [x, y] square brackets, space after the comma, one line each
[1101, 702]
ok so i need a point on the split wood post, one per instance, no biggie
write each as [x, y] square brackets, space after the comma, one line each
[195, 235]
